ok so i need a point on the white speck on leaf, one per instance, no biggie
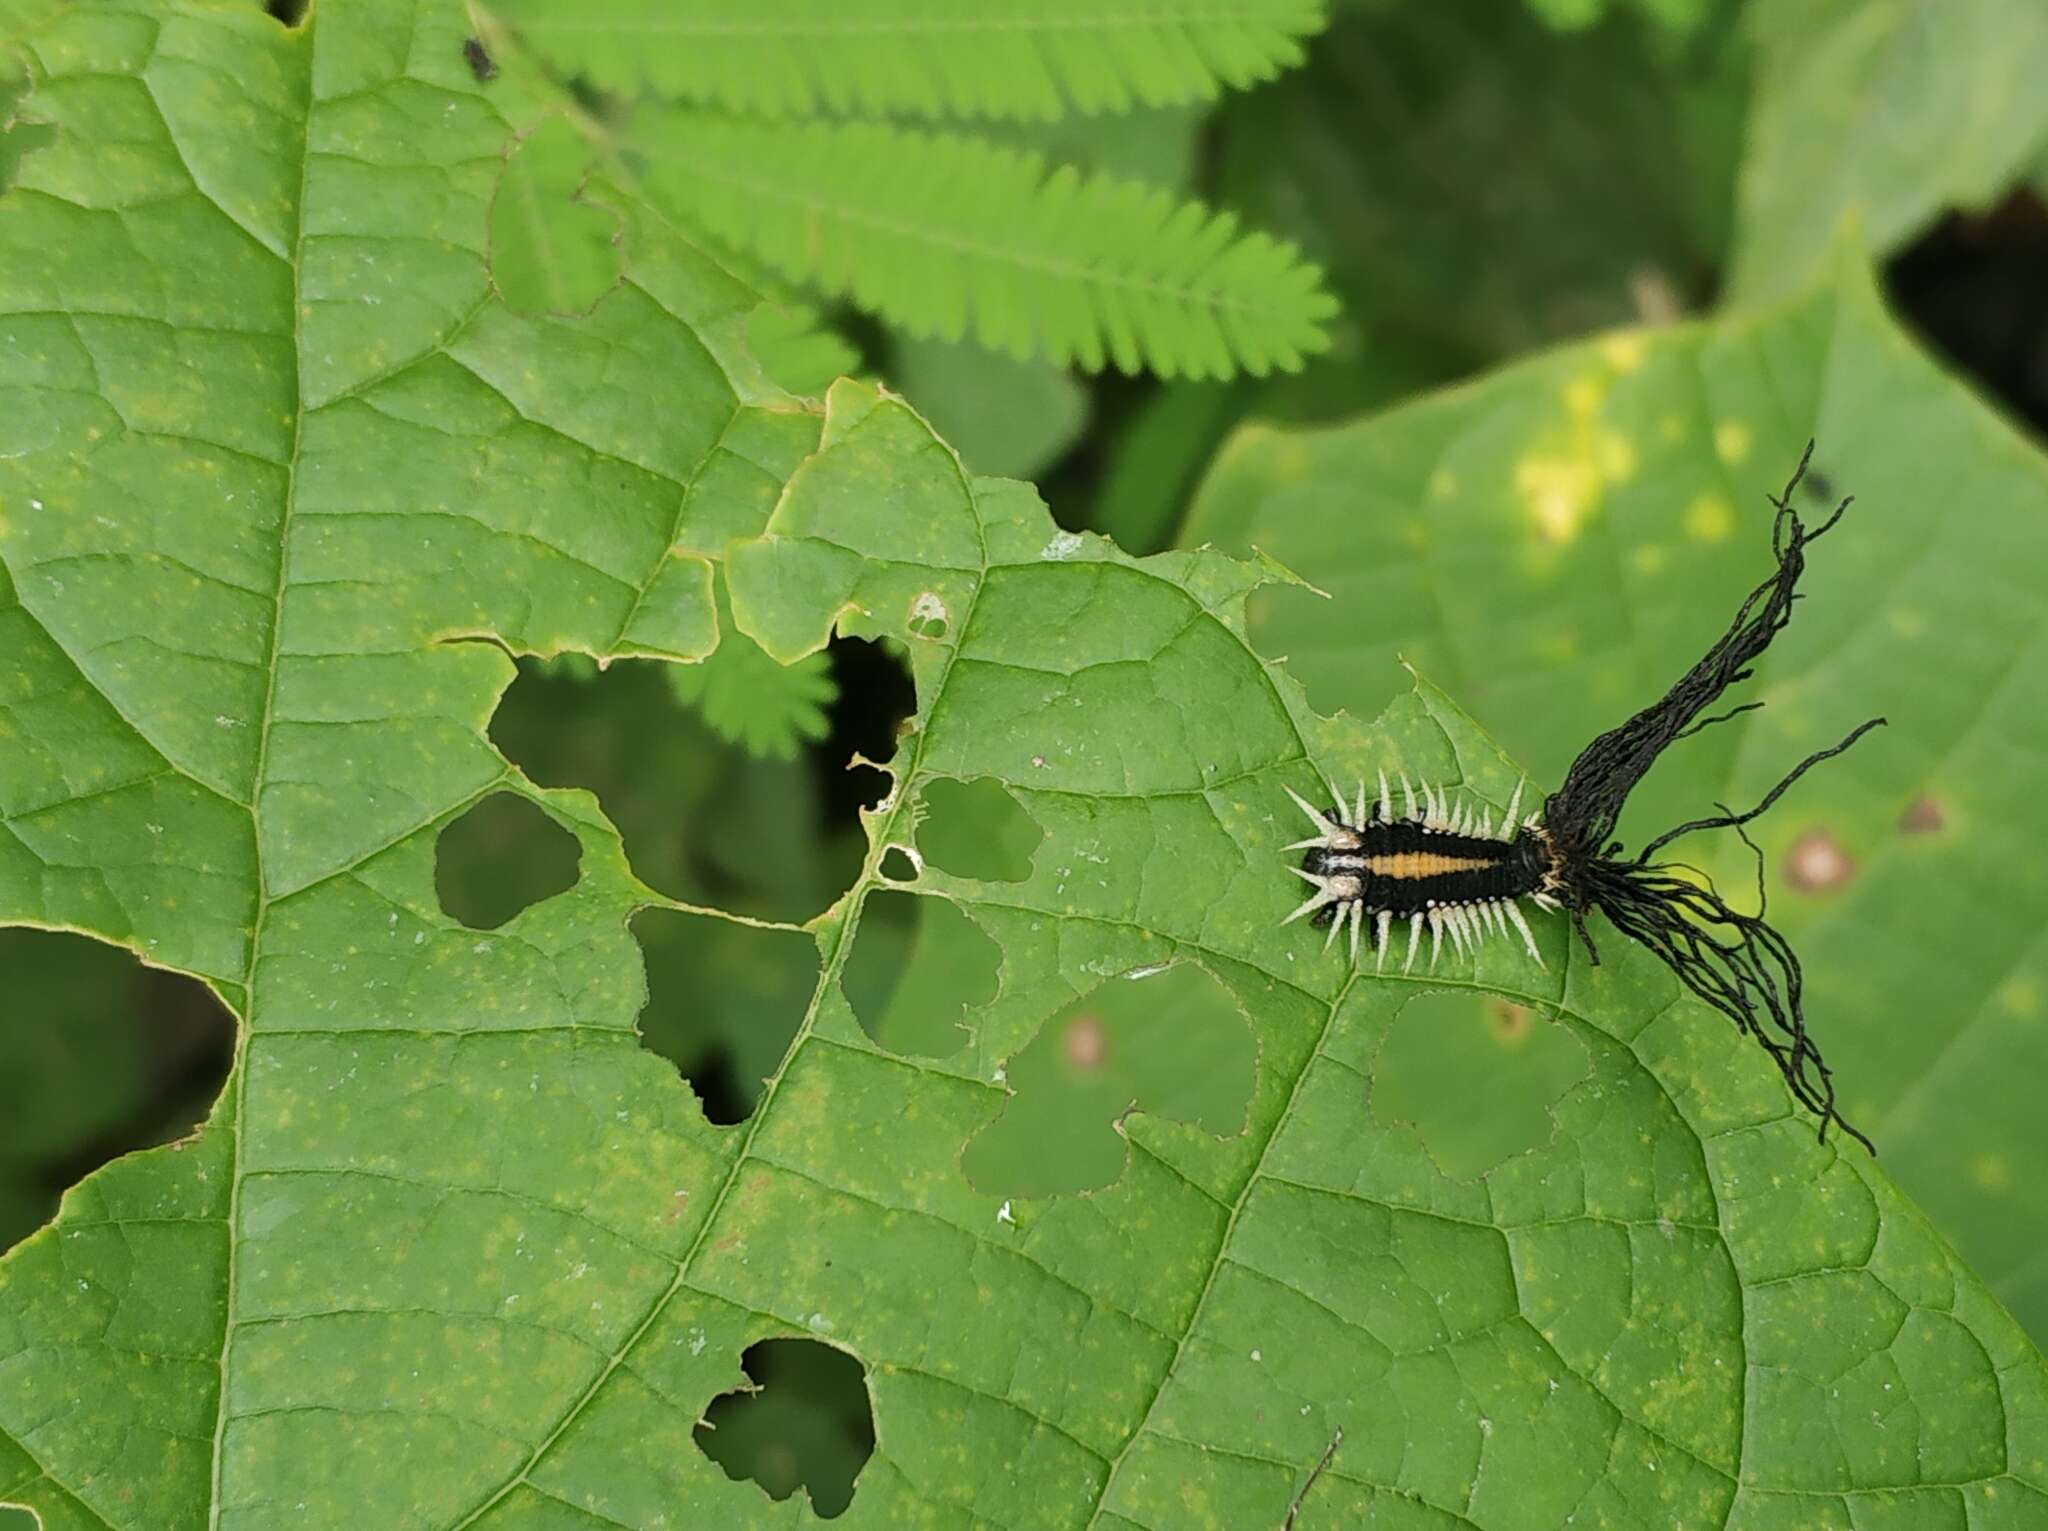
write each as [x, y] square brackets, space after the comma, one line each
[1003, 1214]
[1062, 544]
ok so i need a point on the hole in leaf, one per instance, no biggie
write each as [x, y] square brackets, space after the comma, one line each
[1173, 1044]
[804, 1421]
[927, 616]
[897, 866]
[1339, 665]
[917, 968]
[876, 700]
[976, 829]
[500, 858]
[1475, 1075]
[103, 1056]
[702, 820]
[723, 1002]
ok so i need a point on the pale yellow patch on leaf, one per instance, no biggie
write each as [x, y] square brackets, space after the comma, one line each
[1709, 518]
[1624, 353]
[1991, 1172]
[1560, 493]
[1583, 395]
[2020, 997]
[1732, 442]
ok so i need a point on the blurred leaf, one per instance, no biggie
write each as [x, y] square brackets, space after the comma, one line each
[977, 829]
[1155, 460]
[1873, 116]
[1006, 418]
[1475, 184]
[1559, 541]
[1571, 15]
[797, 349]
[1156, 145]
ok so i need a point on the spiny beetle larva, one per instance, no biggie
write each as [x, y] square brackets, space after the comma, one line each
[1449, 869]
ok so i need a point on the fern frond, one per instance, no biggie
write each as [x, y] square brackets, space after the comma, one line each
[954, 236]
[969, 58]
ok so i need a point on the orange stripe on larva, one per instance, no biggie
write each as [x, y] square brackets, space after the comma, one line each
[1424, 864]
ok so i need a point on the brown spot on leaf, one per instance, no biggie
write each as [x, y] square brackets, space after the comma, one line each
[1817, 863]
[1084, 1043]
[1510, 1021]
[1923, 816]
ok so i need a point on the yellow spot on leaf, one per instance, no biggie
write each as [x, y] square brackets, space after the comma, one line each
[1709, 518]
[1624, 353]
[2020, 997]
[1650, 558]
[1560, 493]
[1582, 395]
[1991, 1172]
[1732, 442]
[1617, 455]
[1443, 484]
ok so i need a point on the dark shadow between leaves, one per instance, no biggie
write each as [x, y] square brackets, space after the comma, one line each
[723, 1002]
[103, 1056]
[804, 1421]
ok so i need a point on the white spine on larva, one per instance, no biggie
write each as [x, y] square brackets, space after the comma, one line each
[1507, 820]
[1515, 913]
[1414, 802]
[1382, 926]
[1386, 810]
[1414, 940]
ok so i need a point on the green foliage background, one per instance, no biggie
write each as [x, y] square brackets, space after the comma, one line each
[425, 504]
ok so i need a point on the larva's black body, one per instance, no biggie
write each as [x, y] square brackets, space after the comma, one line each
[1430, 867]
[1405, 867]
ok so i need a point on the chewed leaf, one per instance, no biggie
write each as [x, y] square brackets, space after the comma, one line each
[1605, 509]
[284, 481]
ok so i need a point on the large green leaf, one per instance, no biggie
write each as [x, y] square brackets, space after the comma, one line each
[454, 1250]
[1872, 117]
[1558, 542]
